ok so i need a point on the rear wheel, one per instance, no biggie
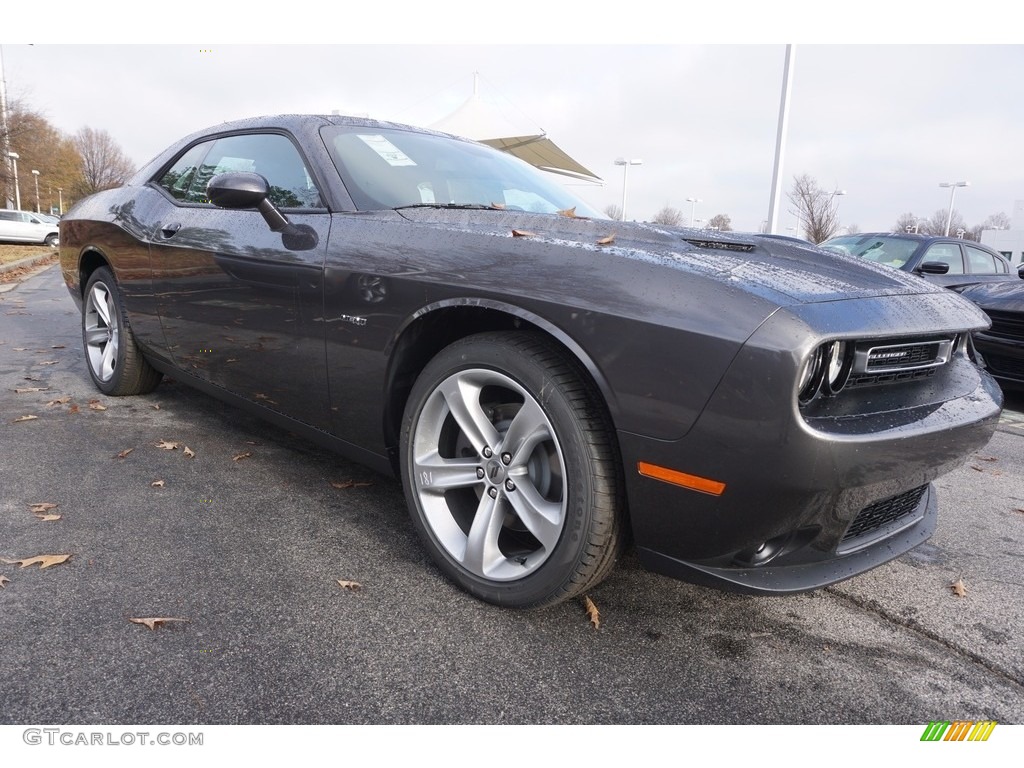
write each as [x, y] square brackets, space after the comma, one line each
[510, 471]
[51, 240]
[115, 363]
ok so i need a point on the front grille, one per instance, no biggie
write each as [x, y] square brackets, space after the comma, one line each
[867, 380]
[881, 513]
[907, 356]
[1007, 325]
[1007, 366]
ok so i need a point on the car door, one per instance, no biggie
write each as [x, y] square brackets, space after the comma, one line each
[239, 308]
[951, 254]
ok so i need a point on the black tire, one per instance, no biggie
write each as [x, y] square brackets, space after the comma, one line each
[51, 240]
[510, 471]
[115, 363]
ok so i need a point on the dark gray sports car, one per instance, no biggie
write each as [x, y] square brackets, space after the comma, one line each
[756, 414]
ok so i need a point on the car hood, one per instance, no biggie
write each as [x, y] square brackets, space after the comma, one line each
[779, 271]
[1007, 296]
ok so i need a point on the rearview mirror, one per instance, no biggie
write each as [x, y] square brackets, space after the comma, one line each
[933, 268]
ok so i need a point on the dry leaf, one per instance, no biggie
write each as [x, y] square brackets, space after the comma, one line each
[24, 418]
[354, 586]
[157, 484]
[24, 390]
[977, 469]
[47, 518]
[167, 445]
[73, 408]
[959, 588]
[19, 349]
[49, 362]
[986, 458]
[523, 233]
[189, 453]
[154, 622]
[498, 206]
[1018, 509]
[42, 506]
[57, 346]
[241, 456]
[124, 453]
[349, 484]
[96, 405]
[569, 213]
[155, 406]
[45, 561]
[3, 580]
[607, 240]
[592, 613]
[33, 378]
[60, 400]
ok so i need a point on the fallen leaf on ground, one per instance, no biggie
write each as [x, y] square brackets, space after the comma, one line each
[154, 622]
[3, 580]
[189, 453]
[977, 469]
[1018, 509]
[42, 506]
[47, 518]
[124, 453]
[33, 378]
[73, 408]
[158, 483]
[986, 458]
[241, 456]
[959, 588]
[349, 484]
[167, 445]
[60, 400]
[57, 346]
[523, 233]
[24, 390]
[592, 613]
[607, 239]
[49, 362]
[155, 406]
[252, 442]
[24, 418]
[354, 586]
[96, 405]
[19, 349]
[45, 561]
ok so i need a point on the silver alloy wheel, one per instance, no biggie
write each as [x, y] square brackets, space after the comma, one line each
[102, 331]
[489, 474]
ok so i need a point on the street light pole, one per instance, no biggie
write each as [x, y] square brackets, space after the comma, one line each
[17, 187]
[625, 178]
[693, 207]
[38, 206]
[60, 198]
[952, 195]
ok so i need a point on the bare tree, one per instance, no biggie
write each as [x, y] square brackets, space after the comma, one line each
[852, 229]
[668, 216]
[721, 222]
[613, 212]
[997, 221]
[907, 222]
[104, 165]
[813, 206]
[936, 223]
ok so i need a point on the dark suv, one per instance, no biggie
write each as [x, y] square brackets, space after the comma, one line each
[946, 261]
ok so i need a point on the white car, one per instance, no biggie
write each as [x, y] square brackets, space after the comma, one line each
[28, 227]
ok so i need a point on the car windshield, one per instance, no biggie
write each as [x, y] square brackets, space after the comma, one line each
[391, 168]
[884, 249]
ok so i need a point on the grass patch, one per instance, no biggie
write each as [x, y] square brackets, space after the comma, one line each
[10, 253]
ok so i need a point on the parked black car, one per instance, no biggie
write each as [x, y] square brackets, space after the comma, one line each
[545, 381]
[1000, 349]
[946, 261]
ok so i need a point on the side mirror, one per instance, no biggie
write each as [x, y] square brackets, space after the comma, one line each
[933, 268]
[1020, 271]
[239, 190]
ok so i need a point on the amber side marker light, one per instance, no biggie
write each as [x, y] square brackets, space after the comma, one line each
[693, 482]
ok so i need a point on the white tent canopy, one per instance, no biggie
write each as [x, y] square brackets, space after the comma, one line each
[477, 120]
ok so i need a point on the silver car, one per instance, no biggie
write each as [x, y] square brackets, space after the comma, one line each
[28, 227]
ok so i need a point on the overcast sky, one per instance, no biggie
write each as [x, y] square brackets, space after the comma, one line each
[885, 123]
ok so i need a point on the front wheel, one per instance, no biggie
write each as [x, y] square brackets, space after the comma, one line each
[115, 363]
[510, 470]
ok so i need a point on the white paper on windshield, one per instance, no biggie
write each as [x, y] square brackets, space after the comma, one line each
[392, 155]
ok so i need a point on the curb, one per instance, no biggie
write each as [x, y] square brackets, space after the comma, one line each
[29, 262]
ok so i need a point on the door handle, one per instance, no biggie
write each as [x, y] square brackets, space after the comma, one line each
[170, 230]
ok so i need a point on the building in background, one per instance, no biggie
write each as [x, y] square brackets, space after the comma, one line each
[1009, 242]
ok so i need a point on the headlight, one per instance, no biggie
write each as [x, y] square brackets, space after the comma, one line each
[828, 368]
[840, 360]
[810, 376]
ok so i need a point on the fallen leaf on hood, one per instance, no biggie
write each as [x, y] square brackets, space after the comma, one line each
[607, 239]
[189, 453]
[498, 206]
[24, 418]
[19, 349]
[24, 390]
[592, 613]
[155, 406]
[354, 586]
[569, 213]
[3, 580]
[158, 484]
[167, 445]
[241, 456]
[60, 400]
[523, 233]
[959, 588]
[42, 506]
[33, 378]
[349, 484]
[155, 622]
[45, 561]
[124, 453]
[96, 405]
[47, 518]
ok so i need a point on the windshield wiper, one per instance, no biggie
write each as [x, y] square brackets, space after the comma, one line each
[452, 206]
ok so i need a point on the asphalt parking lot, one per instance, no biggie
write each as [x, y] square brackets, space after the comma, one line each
[246, 541]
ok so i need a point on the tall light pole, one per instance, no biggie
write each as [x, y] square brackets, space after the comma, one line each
[952, 194]
[625, 177]
[17, 187]
[5, 141]
[693, 207]
[780, 140]
[60, 197]
[38, 206]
